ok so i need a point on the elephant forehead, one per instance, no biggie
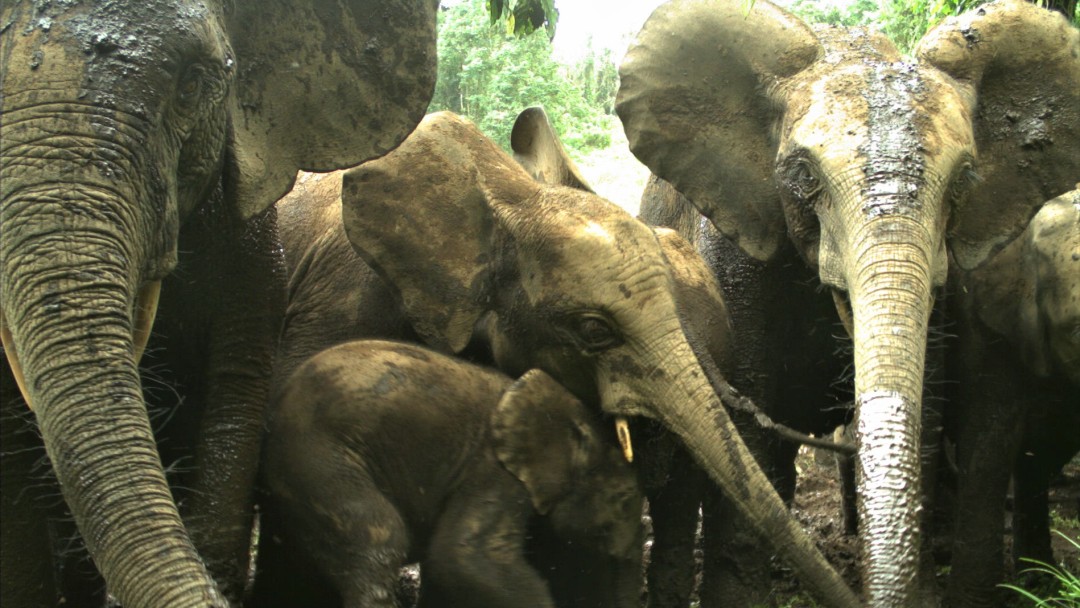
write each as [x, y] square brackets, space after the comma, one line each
[600, 261]
[888, 126]
[133, 48]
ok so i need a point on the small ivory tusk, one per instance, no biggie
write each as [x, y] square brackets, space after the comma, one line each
[146, 306]
[13, 360]
[622, 429]
[844, 311]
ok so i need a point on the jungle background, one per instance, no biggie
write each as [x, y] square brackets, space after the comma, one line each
[498, 57]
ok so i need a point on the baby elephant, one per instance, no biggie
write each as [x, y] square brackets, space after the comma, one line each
[383, 453]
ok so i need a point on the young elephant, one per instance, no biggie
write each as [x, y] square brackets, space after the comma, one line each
[1016, 370]
[380, 453]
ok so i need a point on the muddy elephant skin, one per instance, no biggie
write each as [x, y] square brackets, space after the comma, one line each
[1015, 373]
[142, 143]
[825, 148]
[381, 453]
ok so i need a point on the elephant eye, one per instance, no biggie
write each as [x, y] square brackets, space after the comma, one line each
[596, 333]
[965, 178]
[198, 82]
[802, 181]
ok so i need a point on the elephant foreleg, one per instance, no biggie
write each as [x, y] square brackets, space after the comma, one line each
[245, 293]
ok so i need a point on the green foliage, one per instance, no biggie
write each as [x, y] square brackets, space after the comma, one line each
[1064, 585]
[489, 76]
[858, 12]
[523, 17]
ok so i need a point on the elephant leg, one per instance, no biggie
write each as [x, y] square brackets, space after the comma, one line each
[238, 354]
[845, 470]
[988, 433]
[26, 561]
[1031, 511]
[673, 509]
[736, 569]
[1050, 443]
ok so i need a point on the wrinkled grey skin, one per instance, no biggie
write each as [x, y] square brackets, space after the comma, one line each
[558, 279]
[141, 138]
[334, 296]
[675, 486]
[1016, 372]
[383, 453]
[787, 355]
[826, 145]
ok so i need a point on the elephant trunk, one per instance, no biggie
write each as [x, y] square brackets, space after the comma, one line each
[709, 433]
[890, 290]
[68, 304]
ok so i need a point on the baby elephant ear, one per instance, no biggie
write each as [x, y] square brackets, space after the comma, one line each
[538, 149]
[422, 218]
[543, 437]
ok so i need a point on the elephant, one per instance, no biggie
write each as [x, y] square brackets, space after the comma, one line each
[484, 262]
[143, 143]
[1015, 370]
[675, 486]
[379, 453]
[822, 154]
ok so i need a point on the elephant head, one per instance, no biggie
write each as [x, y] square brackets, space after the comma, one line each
[1029, 292]
[546, 438]
[120, 119]
[876, 169]
[704, 313]
[565, 282]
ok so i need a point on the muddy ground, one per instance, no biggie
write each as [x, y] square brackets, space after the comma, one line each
[817, 507]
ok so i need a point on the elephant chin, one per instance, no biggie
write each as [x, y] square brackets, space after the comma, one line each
[146, 305]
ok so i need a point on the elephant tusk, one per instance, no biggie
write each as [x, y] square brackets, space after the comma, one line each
[622, 429]
[843, 308]
[146, 306]
[13, 360]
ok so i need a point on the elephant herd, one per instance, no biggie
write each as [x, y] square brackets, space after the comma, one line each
[242, 273]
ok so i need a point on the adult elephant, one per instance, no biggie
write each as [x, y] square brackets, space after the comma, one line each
[139, 139]
[874, 170]
[1016, 387]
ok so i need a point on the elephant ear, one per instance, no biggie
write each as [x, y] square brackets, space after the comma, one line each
[423, 216]
[323, 85]
[1021, 66]
[538, 149]
[695, 105]
[541, 434]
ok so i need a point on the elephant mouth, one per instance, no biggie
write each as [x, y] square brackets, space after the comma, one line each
[146, 305]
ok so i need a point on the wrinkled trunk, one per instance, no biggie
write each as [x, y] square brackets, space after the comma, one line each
[703, 424]
[890, 291]
[68, 300]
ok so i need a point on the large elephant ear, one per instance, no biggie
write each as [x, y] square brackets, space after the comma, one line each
[694, 102]
[423, 215]
[542, 435]
[323, 85]
[1021, 66]
[538, 149]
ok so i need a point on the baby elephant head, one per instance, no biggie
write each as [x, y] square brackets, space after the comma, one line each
[574, 473]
